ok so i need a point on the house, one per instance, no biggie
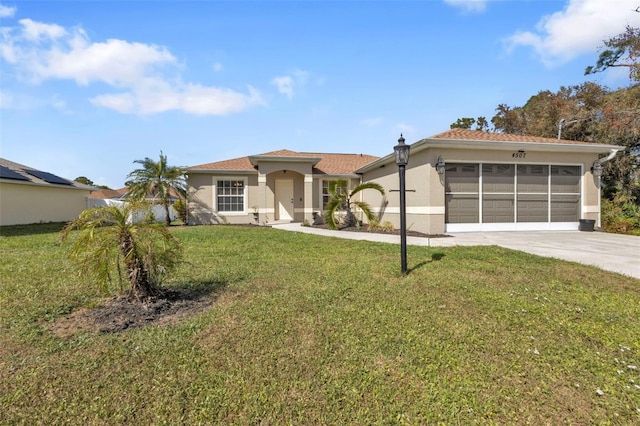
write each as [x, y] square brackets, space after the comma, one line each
[117, 197]
[485, 182]
[276, 186]
[28, 195]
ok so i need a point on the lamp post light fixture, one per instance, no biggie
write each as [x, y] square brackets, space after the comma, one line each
[440, 166]
[596, 169]
[402, 158]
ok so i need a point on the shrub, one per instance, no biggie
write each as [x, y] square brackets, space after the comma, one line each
[621, 215]
[387, 226]
[181, 210]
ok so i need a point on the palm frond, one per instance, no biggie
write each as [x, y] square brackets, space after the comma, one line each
[365, 208]
[334, 204]
[367, 185]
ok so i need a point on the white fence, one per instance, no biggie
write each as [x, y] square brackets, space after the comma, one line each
[157, 209]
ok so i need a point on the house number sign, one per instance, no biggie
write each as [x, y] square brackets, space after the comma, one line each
[519, 154]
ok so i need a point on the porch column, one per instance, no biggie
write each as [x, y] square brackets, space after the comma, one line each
[308, 198]
[262, 198]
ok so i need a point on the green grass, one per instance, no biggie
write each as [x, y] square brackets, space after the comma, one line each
[312, 330]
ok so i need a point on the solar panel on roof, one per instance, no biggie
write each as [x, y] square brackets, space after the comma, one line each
[47, 177]
[7, 173]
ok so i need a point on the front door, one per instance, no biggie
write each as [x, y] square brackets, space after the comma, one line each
[284, 199]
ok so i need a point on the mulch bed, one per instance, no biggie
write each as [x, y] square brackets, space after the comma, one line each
[365, 228]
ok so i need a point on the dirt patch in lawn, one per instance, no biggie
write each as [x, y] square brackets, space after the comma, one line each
[118, 313]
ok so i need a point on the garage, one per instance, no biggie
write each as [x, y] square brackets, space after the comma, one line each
[509, 196]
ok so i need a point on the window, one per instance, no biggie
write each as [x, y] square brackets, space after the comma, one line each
[230, 195]
[325, 193]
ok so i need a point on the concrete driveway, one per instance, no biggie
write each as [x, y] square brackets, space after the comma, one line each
[611, 252]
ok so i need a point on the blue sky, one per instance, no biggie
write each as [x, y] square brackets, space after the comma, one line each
[88, 87]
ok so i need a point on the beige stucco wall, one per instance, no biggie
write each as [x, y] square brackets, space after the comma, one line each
[202, 204]
[307, 194]
[22, 204]
[425, 206]
[202, 200]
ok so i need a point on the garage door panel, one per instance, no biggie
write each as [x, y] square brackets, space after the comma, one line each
[533, 208]
[565, 208]
[462, 178]
[462, 209]
[565, 179]
[497, 208]
[533, 178]
[497, 177]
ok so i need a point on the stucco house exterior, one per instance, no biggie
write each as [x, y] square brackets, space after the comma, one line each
[275, 186]
[488, 182]
[28, 195]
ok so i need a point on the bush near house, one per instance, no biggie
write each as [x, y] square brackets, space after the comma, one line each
[621, 215]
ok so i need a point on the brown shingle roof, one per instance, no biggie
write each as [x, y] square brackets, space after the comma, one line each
[331, 164]
[242, 163]
[104, 194]
[341, 164]
[477, 135]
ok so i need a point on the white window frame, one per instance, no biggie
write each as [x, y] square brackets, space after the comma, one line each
[244, 195]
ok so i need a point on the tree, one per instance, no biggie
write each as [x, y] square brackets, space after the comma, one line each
[342, 199]
[468, 122]
[110, 241]
[622, 50]
[84, 180]
[159, 180]
[579, 107]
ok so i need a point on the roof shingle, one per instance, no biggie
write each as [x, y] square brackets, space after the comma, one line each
[478, 135]
[330, 164]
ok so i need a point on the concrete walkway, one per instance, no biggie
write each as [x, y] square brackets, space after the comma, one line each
[611, 252]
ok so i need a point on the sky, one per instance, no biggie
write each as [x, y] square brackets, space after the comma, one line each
[88, 87]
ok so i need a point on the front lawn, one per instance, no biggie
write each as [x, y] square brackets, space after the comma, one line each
[312, 330]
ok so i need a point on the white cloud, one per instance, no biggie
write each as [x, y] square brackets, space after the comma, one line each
[191, 98]
[36, 31]
[469, 5]
[286, 83]
[217, 67]
[580, 28]
[7, 12]
[41, 52]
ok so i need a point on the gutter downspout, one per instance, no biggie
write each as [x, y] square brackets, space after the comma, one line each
[612, 153]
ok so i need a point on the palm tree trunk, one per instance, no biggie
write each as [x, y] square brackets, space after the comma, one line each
[350, 219]
[137, 273]
[167, 219]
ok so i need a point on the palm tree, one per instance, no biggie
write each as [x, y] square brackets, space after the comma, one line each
[341, 198]
[110, 241]
[158, 180]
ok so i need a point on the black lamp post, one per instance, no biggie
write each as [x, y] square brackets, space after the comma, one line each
[402, 158]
